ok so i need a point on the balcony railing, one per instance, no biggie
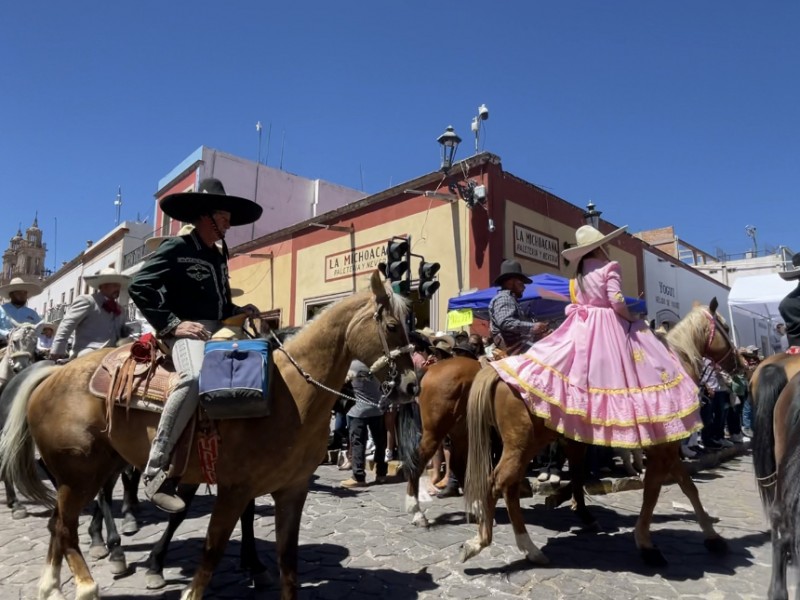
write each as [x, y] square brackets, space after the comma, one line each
[134, 257]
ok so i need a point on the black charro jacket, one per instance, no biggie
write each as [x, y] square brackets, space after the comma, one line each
[790, 311]
[184, 280]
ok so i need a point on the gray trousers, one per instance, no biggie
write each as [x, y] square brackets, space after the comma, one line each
[187, 356]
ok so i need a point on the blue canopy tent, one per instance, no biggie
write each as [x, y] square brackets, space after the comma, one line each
[543, 308]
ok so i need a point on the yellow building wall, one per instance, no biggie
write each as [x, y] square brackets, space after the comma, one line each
[551, 228]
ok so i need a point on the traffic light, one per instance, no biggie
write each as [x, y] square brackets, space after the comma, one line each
[397, 263]
[427, 286]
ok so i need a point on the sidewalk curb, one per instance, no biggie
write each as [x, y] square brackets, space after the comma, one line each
[609, 485]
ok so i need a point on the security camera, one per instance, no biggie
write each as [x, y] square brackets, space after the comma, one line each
[483, 112]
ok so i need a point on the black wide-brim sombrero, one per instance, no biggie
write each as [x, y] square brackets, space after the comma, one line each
[210, 196]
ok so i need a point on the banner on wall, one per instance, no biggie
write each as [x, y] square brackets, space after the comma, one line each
[457, 319]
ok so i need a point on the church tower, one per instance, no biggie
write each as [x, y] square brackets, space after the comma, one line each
[24, 256]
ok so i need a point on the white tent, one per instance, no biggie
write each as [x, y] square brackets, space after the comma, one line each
[758, 296]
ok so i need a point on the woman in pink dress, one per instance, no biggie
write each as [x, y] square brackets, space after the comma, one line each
[603, 377]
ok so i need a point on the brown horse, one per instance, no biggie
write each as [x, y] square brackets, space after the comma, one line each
[271, 455]
[444, 391]
[493, 403]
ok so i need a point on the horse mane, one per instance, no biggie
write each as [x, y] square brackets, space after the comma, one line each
[398, 305]
[687, 339]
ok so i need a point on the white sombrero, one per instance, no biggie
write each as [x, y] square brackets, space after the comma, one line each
[150, 244]
[107, 275]
[587, 239]
[17, 284]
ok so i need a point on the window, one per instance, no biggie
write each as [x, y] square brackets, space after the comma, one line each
[71, 295]
[313, 306]
[63, 297]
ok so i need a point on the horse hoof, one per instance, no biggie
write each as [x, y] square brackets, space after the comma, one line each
[129, 526]
[262, 580]
[154, 581]
[538, 559]
[98, 552]
[19, 513]
[652, 557]
[469, 549]
[118, 566]
[716, 545]
[419, 520]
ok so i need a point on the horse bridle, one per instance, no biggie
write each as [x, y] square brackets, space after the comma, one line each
[712, 330]
[15, 366]
[388, 359]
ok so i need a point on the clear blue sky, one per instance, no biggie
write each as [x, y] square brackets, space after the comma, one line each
[682, 112]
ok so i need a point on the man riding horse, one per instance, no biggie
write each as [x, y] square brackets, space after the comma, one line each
[16, 311]
[184, 293]
[512, 329]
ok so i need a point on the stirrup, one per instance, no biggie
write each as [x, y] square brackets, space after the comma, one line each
[151, 486]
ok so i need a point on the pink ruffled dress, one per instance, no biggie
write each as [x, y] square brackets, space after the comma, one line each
[601, 380]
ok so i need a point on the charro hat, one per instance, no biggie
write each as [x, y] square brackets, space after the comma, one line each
[210, 196]
[509, 269]
[443, 345]
[794, 272]
[107, 275]
[587, 239]
[419, 339]
[463, 348]
[18, 284]
[150, 244]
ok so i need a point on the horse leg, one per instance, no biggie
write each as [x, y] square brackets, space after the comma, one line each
[713, 542]
[50, 581]
[288, 510]
[154, 577]
[507, 476]
[71, 499]
[780, 562]
[18, 510]
[249, 560]
[97, 546]
[228, 508]
[658, 466]
[130, 501]
[427, 447]
[576, 456]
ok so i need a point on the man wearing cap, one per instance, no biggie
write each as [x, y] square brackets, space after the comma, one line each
[96, 319]
[512, 329]
[790, 305]
[184, 293]
[16, 311]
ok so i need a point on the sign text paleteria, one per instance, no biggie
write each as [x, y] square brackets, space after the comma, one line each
[535, 245]
[359, 260]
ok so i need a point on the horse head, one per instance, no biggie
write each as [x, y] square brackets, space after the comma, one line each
[719, 346]
[21, 348]
[377, 336]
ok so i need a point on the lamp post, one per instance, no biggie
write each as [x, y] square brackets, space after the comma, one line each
[592, 215]
[449, 142]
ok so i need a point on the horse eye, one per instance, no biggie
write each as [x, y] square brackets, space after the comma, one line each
[391, 327]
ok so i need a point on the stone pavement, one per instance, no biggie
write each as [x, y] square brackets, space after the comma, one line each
[358, 544]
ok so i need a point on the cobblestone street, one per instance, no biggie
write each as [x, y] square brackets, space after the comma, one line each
[360, 544]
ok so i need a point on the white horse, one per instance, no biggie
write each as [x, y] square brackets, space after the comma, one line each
[17, 356]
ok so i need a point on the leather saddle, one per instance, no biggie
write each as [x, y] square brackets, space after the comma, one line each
[133, 380]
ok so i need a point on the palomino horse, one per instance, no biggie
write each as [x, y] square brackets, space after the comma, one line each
[493, 403]
[775, 389]
[270, 455]
[16, 357]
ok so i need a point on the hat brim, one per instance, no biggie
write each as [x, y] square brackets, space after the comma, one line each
[190, 206]
[577, 252]
[416, 337]
[97, 280]
[506, 276]
[790, 275]
[31, 288]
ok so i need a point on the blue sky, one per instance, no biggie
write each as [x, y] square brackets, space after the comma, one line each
[681, 112]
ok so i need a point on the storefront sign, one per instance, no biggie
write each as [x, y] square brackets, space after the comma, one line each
[354, 262]
[459, 318]
[537, 246]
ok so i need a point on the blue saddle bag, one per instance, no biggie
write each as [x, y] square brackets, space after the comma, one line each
[234, 379]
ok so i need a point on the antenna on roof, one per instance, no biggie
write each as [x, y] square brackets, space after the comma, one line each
[118, 204]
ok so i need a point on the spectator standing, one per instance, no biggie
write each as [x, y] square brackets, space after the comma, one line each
[365, 418]
[713, 407]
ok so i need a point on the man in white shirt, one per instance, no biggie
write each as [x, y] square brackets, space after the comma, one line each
[16, 311]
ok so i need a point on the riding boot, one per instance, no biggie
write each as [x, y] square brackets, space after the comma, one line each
[162, 491]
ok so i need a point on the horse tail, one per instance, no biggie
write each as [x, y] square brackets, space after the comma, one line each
[771, 382]
[16, 445]
[409, 434]
[480, 419]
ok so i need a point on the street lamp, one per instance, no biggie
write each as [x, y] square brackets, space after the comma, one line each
[592, 215]
[449, 142]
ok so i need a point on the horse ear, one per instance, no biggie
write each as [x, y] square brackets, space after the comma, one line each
[378, 288]
[713, 305]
